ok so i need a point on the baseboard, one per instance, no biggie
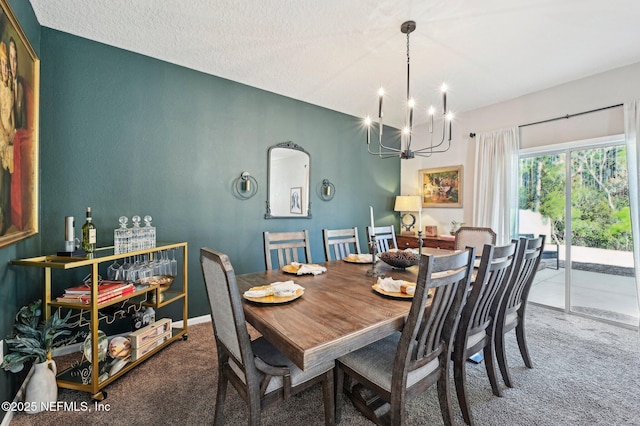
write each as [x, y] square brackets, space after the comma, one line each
[193, 321]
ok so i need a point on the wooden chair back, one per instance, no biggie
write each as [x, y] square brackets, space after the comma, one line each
[387, 374]
[229, 327]
[511, 312]
[385, 238]
[525, 268]
[343, 242]
[286, 246]
[471, 236]
[477, 320]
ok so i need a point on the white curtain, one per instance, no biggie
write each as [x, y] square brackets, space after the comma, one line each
[495, 192]
[631, 134]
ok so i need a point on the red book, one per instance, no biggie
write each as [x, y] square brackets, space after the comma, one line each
[103, 287]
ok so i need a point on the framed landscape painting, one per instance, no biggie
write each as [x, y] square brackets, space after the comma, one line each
[19, 106]
[441, 187]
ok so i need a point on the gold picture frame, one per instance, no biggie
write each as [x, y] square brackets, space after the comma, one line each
[441, 187]
[19, 110]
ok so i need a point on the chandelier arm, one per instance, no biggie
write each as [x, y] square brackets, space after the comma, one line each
[429, 151]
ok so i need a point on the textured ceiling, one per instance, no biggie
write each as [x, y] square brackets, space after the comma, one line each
[337, 53]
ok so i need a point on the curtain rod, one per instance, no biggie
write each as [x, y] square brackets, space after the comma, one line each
[473, 135]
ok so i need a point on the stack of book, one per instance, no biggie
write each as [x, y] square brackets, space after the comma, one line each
[107, 290]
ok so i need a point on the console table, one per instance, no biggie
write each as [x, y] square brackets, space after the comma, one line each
[411, 241]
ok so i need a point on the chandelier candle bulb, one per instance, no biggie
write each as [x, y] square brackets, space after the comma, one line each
[444, 98]
[380, 95]
[412, 103]
[432, 111]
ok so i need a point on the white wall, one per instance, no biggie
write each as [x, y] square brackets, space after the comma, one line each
[609, 88]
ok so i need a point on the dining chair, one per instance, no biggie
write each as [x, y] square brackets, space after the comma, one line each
[385, 238]
[286, 246]
[399, 367]
[477, 321]
[472, 236]
[343, 241]
[261, 375]
[511, 312]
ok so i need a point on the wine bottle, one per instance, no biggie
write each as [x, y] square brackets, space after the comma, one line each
[89, 235]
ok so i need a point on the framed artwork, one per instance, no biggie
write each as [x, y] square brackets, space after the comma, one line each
[19, 106]
[441, 187]
[295, 201]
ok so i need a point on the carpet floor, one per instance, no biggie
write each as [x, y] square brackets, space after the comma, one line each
[585, 373]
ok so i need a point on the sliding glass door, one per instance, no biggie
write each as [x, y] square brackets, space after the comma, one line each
[542, 212]
[587, 265]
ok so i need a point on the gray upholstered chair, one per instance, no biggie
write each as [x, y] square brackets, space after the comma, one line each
[396, 369]
[472, 236]
[477, 321]
[511, 313]
[343, 241]
[286, 245]
[385, 238]
[261, 374]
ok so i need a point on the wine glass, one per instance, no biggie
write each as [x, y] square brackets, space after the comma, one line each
[112, 270]
[174, 263]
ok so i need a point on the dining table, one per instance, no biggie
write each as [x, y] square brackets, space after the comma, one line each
[338, 312]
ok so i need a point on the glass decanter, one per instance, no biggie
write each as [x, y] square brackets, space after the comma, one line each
[137, 236]
[149, 233]
[122, 237]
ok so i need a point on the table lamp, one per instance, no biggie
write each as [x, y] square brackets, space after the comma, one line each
[408, 204]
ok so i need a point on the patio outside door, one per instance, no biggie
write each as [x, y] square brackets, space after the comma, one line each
[594, 239]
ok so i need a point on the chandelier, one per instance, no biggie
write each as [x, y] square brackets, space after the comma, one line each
[405, 151]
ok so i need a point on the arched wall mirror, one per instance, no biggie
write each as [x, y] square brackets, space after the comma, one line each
[288, 176]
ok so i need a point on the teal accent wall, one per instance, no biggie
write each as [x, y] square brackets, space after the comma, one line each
[127, 134]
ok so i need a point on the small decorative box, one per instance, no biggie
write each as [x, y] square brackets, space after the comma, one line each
[145, 335]
[138, 353]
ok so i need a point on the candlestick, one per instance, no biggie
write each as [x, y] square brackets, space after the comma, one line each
[372, 223]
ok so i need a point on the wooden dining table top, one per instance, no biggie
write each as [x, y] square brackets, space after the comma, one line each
[338, 313]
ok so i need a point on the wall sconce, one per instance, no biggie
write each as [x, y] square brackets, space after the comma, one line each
[406, 204]
[328, 190]
[245, 186]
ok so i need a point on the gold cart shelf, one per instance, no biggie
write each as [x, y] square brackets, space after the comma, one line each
[93, 385]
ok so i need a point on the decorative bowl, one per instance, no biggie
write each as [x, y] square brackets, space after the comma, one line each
[400, 259]
[163, 282]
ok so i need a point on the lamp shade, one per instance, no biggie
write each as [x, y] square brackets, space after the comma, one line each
[408, 203]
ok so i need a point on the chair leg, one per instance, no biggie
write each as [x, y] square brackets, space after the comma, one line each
[489, 363]
[522, 341]
[329, 399]
[444, 396]
[338, 381]
[460, 378]
[220, 397]
[501, 356]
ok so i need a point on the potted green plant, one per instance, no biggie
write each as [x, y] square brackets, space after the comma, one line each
[33, 340]
[455, 225]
